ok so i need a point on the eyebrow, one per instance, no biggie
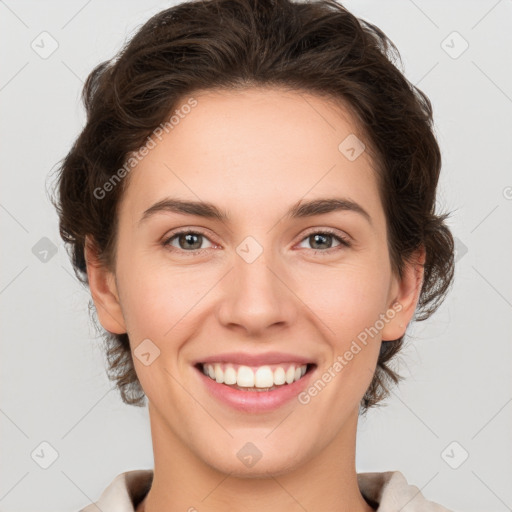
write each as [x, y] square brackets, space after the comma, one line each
[297, 211]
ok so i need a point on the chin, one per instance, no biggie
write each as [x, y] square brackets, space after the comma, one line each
[254, 460]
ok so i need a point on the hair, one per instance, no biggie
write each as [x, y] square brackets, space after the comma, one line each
[316, 47]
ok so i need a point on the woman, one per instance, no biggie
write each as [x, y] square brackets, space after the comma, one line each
[252, 204]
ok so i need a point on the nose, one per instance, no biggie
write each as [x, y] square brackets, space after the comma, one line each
[257, 296]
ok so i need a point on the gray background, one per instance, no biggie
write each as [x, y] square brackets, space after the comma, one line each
[457, 365]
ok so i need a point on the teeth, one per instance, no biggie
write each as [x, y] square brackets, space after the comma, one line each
[263, 378]
[229, 375]
[279, 376]
[245, 377]
[290, 375]
[219, 375]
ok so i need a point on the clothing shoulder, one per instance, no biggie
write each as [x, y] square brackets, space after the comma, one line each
[391, 491]
[124, 492]
[387, 491]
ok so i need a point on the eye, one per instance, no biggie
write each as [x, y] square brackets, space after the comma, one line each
[186, 240]
[322, 241]
[191, 241]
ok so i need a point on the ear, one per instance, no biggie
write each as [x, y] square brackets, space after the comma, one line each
[103, 290]
[404, 296]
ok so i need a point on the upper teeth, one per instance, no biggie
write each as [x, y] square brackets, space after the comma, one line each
[261, 377]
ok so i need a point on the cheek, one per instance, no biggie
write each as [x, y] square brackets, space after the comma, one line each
[157, 308]
[347, 299]
[155, 297]
[158, 304]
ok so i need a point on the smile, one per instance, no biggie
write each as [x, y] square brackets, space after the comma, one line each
[262, 378]
[255, 389]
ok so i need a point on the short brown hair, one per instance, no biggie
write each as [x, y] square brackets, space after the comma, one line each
[316, 47]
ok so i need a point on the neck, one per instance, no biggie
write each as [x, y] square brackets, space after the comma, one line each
[183, 482]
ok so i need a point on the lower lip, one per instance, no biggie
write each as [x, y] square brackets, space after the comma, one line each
[256, 401]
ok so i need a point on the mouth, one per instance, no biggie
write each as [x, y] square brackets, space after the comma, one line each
[264, 378]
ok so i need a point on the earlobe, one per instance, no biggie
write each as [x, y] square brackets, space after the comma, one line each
[103, 291]
[405, 298]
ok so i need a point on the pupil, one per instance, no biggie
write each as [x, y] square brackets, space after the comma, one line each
[189, 239]
[320, 236]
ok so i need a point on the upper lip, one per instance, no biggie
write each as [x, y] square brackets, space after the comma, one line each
[255, 359]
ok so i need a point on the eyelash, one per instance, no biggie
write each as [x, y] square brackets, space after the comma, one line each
[344, 242]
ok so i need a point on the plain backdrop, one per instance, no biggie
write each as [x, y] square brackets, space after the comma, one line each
[447, 427]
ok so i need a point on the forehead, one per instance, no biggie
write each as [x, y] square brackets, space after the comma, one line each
[258, 146]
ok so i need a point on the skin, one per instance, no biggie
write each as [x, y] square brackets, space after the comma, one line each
[253, 153]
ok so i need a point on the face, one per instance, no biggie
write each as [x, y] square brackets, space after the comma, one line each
[271, 286]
